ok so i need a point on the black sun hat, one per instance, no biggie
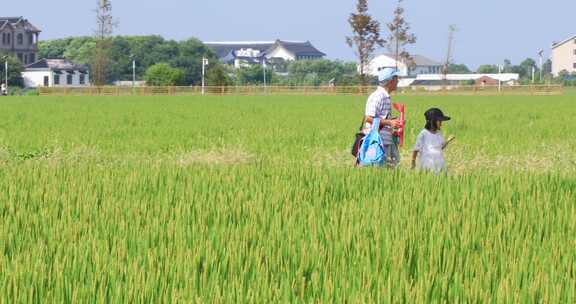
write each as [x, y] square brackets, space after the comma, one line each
[436, 114]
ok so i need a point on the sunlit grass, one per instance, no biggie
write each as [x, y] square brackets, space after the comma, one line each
[253, 199]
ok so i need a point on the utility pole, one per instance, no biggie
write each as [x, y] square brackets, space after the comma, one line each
[5, 75]
[264, 69]
[500, 68]
[541, 55]
[448, 61]
[204, 63]
[133, 72]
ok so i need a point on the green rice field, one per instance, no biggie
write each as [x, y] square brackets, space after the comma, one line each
[255, 200]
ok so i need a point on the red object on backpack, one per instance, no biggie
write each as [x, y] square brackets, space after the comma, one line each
[399, 133]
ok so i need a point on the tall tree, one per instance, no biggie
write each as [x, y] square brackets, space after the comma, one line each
[104, 28]
[365, 37]
[400, 36]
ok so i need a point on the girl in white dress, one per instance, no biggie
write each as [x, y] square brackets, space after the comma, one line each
[430, 144]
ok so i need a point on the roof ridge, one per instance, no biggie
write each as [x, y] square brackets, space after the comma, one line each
[557, 44]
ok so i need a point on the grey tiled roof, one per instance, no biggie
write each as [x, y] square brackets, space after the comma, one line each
[435, 82]
[301, 48]
[4, 21]
[223, 49]
[297, 47]
[423, 61]
[56, 64]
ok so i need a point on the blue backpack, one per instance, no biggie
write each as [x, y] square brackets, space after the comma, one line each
[371, 151]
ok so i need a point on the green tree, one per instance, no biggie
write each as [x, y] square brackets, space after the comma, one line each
[188, 57]
[527, 66]
[254, 75]
[547, 67]
[162, 74]
[487, 69]
[217, 75]
[145, 50]
[14, 70]
[53, 48]
[458, 69]
[320, 72]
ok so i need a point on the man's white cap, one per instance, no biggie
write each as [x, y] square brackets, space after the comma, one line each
[386, 74]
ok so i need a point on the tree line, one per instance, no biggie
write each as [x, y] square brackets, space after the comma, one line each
[168, 62]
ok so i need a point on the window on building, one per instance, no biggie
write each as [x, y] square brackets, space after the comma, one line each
[30, 38]
[46, 81]
[25, 58]
[32, 58]
[82, 79]
[56, 79]
[3, 38]
[574, 65]
[69, 79]
[8, 38]
[20, 39]
[20, 57]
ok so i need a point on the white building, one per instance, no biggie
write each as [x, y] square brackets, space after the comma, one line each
[244, 53]
[564, 56]
[461, 79]
[55, 73]
[416, 66]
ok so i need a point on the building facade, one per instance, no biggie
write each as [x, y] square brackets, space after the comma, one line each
[417, 65]
[564, 56]
[19, 38]
[242, 54]
[55, 73]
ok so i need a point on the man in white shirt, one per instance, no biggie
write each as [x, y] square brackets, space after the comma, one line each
[3, 89]
[379, 104]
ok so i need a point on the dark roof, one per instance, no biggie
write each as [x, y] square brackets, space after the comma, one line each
[56, 64]
[225, 48]
[4, 21]
[423, 61]
[299, 48]
[557, 44]
[435, 82]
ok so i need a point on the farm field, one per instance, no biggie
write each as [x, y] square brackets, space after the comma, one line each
[254, 199]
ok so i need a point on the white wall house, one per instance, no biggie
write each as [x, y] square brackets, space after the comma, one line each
[418, 65]
[564, 56]
[246, 53]
[55, 73]
[459, 79]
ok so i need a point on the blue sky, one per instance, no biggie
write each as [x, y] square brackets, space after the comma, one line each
[489, 31]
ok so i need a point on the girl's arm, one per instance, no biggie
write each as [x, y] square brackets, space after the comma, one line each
[414, 156]
[450, 139]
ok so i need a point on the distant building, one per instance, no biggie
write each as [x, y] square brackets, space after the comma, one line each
[241, 54]
[564, 56]
[417, 65]
[464, 79]
[20, 38]
[55, 73]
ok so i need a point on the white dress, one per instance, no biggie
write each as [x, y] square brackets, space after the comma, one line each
[430, 146]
